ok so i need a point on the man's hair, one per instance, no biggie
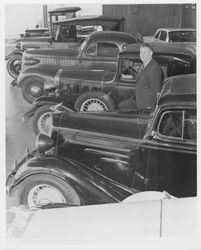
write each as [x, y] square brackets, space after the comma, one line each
[146, 45]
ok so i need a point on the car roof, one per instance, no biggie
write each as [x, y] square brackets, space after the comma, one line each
[65, 10]
[112, 36]
[176, 29]
[106, 21]
[180, 48]
[180, 88]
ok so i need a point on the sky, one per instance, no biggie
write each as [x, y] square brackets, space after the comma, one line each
[19, 17]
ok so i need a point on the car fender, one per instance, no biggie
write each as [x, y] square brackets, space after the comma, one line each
[46, 100]
[14, 52]
[47, 74]
[92, 187]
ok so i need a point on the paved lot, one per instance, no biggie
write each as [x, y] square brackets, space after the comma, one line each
[19, 135]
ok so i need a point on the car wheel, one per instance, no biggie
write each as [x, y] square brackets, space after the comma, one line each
[14, 65]
[94, 101]
[41, 122]
[42, 189]
[32, 88]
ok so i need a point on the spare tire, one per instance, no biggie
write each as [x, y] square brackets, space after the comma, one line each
[94, 101]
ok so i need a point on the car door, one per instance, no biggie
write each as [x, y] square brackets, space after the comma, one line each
[126, 78]
[99, 56]
[172, 154]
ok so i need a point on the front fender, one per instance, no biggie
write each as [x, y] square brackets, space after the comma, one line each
[92, 187]
[46, 100]
[14, 52]
[46, 74]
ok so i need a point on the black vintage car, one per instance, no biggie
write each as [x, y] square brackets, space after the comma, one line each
[102, 157]
[91, 90]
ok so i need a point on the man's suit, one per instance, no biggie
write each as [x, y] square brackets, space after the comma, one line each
[149, 81]
[148, 84]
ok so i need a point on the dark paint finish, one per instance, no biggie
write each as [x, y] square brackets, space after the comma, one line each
[126, 148]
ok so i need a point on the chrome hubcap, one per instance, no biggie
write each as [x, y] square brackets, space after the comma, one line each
[93, 105]
[36, 91]
[43, 194]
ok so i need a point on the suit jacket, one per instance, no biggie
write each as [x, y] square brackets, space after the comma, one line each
[149, 83]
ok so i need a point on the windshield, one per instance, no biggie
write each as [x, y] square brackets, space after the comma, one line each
[82, 46]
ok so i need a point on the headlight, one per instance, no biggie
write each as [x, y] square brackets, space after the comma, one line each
[44, 143]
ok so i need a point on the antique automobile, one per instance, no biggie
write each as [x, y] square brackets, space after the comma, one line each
[102, 91]
[145, 215]
[64, 34]
[30, 40]
[98, 52]
[172, 35]
[100, 157]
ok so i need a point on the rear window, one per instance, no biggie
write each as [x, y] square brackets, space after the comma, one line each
[182, 36]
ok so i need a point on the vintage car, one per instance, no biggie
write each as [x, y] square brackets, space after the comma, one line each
[172, 35]
[101, 157]
[102, 91]
[145, 215]
[98, 52]
[30, 40]
[64, 34]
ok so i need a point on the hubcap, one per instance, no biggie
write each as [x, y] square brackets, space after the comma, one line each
[93, 105]
[45, 123]
[36, 91]
[43, 194]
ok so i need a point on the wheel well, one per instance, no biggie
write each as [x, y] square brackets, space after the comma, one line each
[27, 77]
[56, 174]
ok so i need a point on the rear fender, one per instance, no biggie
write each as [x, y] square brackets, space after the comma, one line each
[92, 187]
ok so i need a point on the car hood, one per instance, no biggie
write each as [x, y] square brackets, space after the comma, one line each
[103, 123]
[60, 53]
[117, 224]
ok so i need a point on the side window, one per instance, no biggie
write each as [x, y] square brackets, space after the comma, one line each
[91, 50]
[190, 126]
[129, 68]
[163, 36]
[107, 50]
[178, 67]
[171, 124]
[179, 125]
[157, 35]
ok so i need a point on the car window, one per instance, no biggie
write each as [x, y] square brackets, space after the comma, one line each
[179, 125]
[190, 125]
[107, 50]
[129, 68]
[157, 35]
[163, 35]
[177, 66]
[182, 36]
[91, 50]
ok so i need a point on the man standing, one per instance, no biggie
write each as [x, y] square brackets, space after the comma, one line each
[148, 83]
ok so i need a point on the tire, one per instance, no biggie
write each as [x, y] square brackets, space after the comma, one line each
[94, 101]
[32, 88]
[40, 120]
[14, 65]
[42, 189]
